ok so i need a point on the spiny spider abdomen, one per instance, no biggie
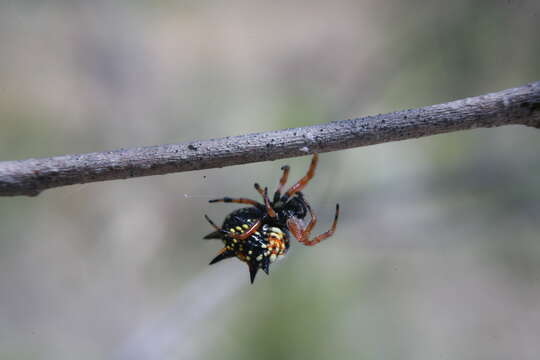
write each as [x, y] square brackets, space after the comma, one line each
[259, 235]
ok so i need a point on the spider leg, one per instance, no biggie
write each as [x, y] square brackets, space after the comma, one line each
[269, 209]
[242, 236]
[267, 204]
[214, 225]
[302, 235]
[259, 189]
[237, 201]
[282, 182]
[303, 181]
[312, 222]
[218, 234]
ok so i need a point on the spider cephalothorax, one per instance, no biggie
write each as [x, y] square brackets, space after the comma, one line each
[259, 234]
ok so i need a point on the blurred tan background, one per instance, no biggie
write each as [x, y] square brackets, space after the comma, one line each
[437, 253]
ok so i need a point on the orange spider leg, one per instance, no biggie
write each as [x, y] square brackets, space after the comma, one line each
[267, 205]
[303, 181]
[303, 235]
[240, 236]
[247, 233]
[259, 189]
[282, 182]
[312, 222]
[269, 209]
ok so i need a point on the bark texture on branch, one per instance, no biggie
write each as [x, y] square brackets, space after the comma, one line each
[519, 106]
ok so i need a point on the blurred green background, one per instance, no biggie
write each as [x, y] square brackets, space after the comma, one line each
[437, 253]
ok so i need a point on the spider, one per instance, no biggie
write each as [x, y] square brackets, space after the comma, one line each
[259, 234]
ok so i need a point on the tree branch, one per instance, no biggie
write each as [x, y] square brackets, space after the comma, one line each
[519, 105]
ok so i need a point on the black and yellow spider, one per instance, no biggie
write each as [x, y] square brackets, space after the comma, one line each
[259, 235]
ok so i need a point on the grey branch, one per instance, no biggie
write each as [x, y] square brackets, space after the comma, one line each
[518, 106]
